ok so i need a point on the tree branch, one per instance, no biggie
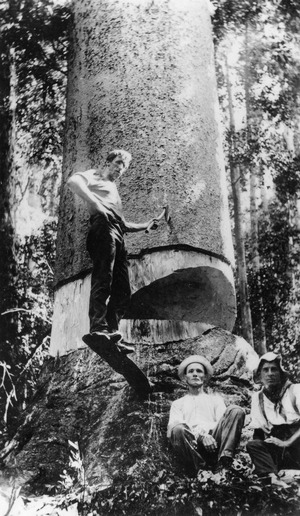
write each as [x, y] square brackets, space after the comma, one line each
[13, 310]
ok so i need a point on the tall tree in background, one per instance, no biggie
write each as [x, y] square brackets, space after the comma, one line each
[230, 27]
[275, 59]
[33, 69]
[264, 97]
[252, 120]
[235, 178]
[7, 256]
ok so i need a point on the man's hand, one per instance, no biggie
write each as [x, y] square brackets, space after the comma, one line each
[146, 226]
[209, 443]
[277, 442]
[152, 224]
[284, 444]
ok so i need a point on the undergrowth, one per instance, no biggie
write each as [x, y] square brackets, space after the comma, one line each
[149, 488]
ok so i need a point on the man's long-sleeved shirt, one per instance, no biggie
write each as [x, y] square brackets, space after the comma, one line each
[200, 412]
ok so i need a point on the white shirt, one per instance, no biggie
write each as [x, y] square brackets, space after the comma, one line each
[201, 412]
[286, 416]
[105, 191]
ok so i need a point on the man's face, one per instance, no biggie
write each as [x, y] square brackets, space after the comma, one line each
[116, 168]
[270, 375]
[195, 374]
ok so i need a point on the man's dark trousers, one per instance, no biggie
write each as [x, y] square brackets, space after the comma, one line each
[269, 458]
[110, 287]
[227, 434]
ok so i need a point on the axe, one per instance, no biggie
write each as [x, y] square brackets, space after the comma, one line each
[154, 223]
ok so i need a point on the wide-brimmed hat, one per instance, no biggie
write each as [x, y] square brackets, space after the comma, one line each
[268, 357]
[195, 359]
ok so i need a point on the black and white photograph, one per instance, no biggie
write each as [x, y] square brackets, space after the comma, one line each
[150, 258]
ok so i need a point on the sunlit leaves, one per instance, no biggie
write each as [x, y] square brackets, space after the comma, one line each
[38, 32]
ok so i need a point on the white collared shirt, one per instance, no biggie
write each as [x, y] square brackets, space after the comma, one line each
[200, 412]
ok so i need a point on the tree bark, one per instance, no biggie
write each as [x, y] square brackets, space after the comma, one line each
[235, 177]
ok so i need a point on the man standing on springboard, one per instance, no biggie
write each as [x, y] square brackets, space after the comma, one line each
[110, 288]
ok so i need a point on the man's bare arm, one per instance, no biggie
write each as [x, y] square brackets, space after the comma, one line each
[284, 444]
[132, 227]
[78, 186]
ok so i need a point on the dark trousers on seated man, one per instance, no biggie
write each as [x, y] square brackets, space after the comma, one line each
[227, 434]
[269, 458]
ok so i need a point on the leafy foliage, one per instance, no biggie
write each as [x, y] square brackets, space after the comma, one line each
[37, 31]
[156, 486]
[277, 286]
[31, 309]
[34, 41]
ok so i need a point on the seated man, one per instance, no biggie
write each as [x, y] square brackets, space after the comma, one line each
[275, 418]
[201, 429]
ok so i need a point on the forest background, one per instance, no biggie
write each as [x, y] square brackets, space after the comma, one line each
[258, 69]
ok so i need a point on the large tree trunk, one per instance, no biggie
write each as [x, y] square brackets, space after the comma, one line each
[142, 77]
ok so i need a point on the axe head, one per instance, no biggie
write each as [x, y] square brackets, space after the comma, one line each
[167, 213]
